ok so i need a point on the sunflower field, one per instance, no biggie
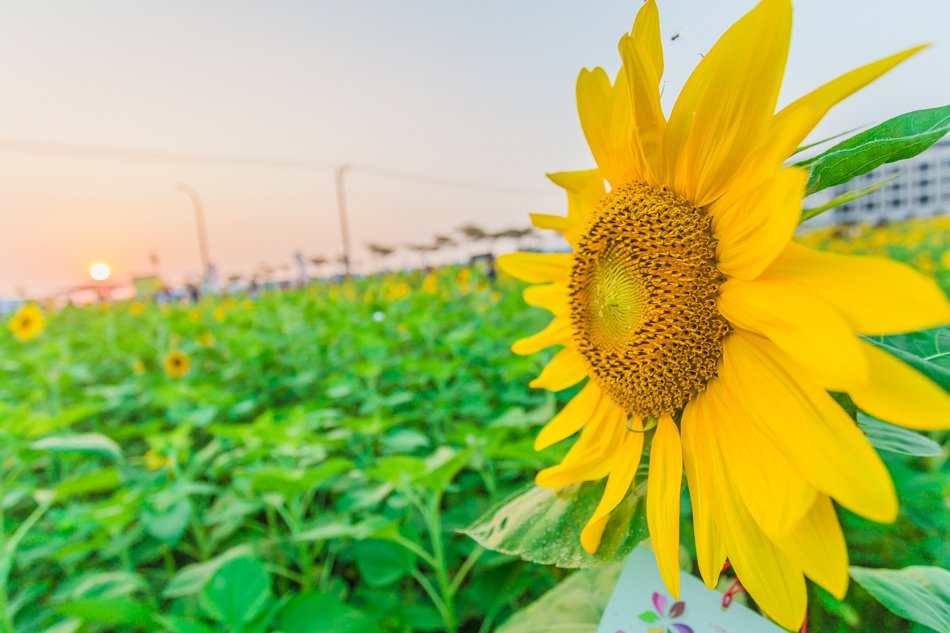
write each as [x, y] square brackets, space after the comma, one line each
[318, 460]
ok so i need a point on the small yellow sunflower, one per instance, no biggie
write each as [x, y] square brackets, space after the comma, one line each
[702, 330]
[177, 364]
[137, 308]
[206, 339]
[27, 323]
[430, 285]
[138, 367]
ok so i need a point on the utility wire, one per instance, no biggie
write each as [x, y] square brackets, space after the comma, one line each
[166, 156]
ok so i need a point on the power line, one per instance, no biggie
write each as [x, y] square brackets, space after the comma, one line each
[166, 156]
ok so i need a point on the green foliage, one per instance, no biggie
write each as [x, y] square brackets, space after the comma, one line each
[316, 467]
[576, 605]
[902, 137]
[921, 594]
[309, 473]
[543, 526]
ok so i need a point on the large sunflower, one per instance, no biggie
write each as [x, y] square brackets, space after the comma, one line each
[700, 327]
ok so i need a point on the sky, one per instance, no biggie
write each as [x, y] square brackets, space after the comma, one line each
[448, 113]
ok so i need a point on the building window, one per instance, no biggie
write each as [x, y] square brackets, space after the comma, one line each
[896, 202]
[923, 199]
[924, 183]
[923, 167]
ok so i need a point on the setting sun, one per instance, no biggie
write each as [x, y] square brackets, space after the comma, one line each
[100, 271]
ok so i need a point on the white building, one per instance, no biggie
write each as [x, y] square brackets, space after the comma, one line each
[920, 189]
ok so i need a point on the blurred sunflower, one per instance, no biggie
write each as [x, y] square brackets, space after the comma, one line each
[137, 308]
[206, 339]
[177, 364]
[27, 323]
[700, 327]
[138, 367]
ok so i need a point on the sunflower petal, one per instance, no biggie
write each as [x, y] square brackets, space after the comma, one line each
[773, 579]
[710, 550]
[818, 545]
[642, 55]
[557, 223]
[900, 394]
[663, 501]
[585, 189]
[726, 107]
[590, 457]
[799, 322]
[754, 226]
[571, 418]
[551, 297]
[623, 468]
[815, 434]
[537, 268]
[558, 332]
[567, 368]
[793, 123]
[866, 289]
[757, 467]
[607, 121]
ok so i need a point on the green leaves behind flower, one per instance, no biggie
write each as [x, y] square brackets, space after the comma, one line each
[902, 137]
[543, 526]
[920, 594]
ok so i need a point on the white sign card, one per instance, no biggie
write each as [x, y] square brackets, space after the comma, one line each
[641, 604]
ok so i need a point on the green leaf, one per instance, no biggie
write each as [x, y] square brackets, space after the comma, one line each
[927, 351]
[237, 593]
[576, 605]
[902, 137]
[543, 526]
[84, 444]
[115, 611]
[97, 481]
[442, 467]
[921, 594]
[322, 613]
[846, 197]
[382, 563]
[191, 579]
[168, 524]
[896, 439]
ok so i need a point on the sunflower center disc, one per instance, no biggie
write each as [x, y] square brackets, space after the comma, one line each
[643, 299]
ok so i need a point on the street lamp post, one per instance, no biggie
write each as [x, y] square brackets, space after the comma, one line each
[344, 223]
[192, 193]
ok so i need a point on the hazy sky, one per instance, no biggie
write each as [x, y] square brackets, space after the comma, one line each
[477, 92]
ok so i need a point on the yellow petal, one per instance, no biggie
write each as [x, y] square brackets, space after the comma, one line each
[710, 550]
[726, 106]
[590, 457]
[867, 291]
[900, 394]
[663, 501]
[557, 223]
[551, 297]
[537, 268]
[571, 418]
[801, 323]
[793, 123]
[754, 226]
[814, 433]
[567, 368]
[607, 121]
[623, 468]
[757, 467]
[772, 578]
[642, 55]
[585, 190]
[818, 545]
[558, 332]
